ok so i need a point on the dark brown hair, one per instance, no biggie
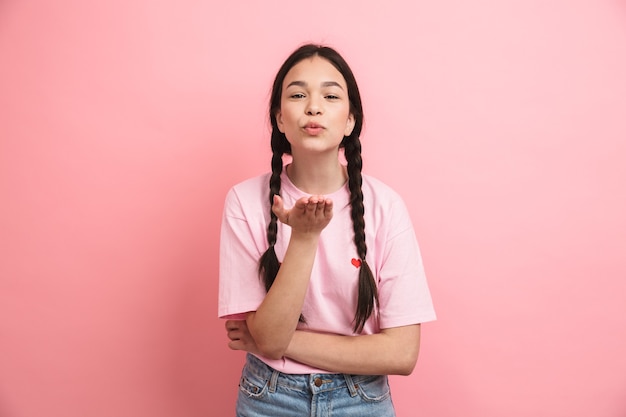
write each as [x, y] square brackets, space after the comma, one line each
[268, 264]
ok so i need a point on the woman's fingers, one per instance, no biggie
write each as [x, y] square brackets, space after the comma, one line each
[308, 213]
[327, 208]
[239, 335]
[234, 329]
[232, 324]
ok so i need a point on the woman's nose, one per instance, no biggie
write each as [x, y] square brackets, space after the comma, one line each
[313, 108]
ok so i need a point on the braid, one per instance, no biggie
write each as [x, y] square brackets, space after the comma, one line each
[368, 292]
[268, 264]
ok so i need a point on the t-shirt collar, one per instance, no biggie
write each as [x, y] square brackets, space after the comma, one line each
[341, 197]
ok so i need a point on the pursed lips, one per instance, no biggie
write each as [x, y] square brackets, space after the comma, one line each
[313, 128]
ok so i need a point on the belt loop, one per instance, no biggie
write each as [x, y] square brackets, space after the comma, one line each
[274, 380]
[350, 384]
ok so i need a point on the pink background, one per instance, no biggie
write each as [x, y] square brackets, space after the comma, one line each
[123, 123]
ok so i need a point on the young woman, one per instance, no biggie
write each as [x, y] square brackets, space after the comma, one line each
[321, 279]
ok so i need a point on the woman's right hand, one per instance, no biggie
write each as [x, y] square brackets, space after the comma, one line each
[309, 214]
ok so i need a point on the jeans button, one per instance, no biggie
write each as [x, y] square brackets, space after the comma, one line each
[318, 382]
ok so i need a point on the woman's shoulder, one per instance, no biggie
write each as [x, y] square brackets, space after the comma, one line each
[248, 191]
[254, 183]
[385, 205]
[379, 190]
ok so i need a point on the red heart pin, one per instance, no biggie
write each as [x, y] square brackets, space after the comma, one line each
[356, 262]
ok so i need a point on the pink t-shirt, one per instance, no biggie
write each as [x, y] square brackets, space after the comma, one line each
[330, 303]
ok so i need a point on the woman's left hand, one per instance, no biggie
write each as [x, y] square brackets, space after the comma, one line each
[240, 337]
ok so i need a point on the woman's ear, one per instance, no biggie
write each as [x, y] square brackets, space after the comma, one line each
[279, 121]
[349, 125]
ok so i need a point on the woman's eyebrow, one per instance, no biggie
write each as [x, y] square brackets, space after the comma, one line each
[324, 84]
[297, 84]
[331, 84]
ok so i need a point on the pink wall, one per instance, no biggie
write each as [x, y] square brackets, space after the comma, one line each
[123, 123]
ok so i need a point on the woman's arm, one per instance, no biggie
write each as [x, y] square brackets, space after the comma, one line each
[274, 322]
[393, 351]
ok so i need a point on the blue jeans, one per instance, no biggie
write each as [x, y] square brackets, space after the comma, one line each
[265, 392]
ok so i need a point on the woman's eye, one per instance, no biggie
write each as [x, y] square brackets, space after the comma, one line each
[297, 95]
[332, 97]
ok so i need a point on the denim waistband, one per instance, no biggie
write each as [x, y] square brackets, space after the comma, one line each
[315, 383]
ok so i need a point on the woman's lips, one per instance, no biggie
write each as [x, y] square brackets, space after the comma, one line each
[313, 129]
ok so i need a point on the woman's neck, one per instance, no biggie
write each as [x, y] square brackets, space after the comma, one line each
[317, 176]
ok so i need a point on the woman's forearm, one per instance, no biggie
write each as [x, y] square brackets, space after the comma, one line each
[272, 325]
[393, 351]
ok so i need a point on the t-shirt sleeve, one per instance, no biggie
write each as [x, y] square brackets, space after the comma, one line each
[240, 288]
[404, 295]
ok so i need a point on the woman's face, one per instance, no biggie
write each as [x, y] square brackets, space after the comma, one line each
[314, 111]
